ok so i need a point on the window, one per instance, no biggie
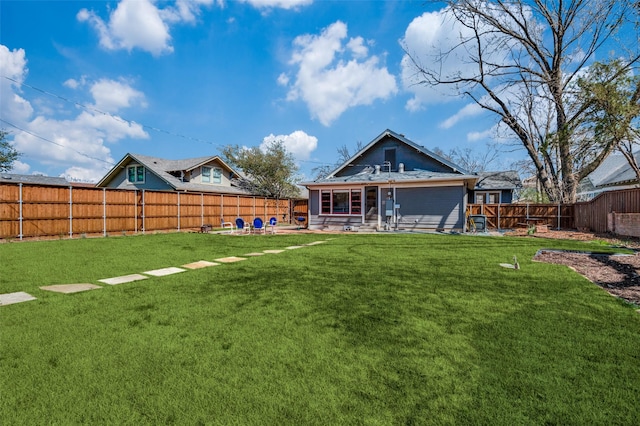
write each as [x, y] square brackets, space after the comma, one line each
[206, 174]
[211, 175]
[342, 201]
[390, 158]
[217, 175]
[135, 174]
[487, 197]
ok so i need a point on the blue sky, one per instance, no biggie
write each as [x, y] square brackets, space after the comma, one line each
[85, 82]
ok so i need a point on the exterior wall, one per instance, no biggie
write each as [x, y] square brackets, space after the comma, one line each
[411, 159]
[426, 208]
[151, 181]
[196, 176]
[506, 195]
[431, 208]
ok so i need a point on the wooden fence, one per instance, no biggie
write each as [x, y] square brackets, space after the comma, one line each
[592, 215]
[29, 211]
[511, 216]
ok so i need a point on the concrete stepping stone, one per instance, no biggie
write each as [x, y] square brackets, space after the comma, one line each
[200, 264]
[254, 254]
[123, 279]
[293, 247]
[273, 251]
[230, 259]
[70, 288]
[314, 243]
[164, 271]
[17, 297]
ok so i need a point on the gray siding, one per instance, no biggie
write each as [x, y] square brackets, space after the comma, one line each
[431, 208]
[405, 154]
[151, 181]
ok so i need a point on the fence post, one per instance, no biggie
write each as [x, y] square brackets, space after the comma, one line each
[201, 209]
[559, 215]
[135, 211]
[104, 212]
[499, 205]
[178, 212]
[144, 225]
[70, 212]
[20, 219]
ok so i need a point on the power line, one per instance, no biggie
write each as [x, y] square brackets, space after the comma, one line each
[117, 118]
[56, 143]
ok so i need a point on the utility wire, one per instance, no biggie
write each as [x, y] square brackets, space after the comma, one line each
[56, 143]
[117, 118]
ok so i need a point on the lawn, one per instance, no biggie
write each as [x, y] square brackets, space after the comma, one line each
[361, 329]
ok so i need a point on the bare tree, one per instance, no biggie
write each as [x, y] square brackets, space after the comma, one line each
[525, 55]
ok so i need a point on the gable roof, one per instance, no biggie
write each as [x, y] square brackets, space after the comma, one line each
[389, 133]
[35, 179]
[614, 170]
[508, 179]
[162, 167]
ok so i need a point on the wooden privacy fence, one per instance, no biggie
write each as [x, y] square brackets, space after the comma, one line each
[593, 215]
[28, 211]
[510, 216]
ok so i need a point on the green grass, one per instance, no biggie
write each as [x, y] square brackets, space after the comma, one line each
[363, 329]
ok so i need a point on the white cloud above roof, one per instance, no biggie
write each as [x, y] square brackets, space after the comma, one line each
[334, 73]
[80, 142]
[298, 143]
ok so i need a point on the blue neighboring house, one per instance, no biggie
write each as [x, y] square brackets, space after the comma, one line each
[201, 174]
[392, 183]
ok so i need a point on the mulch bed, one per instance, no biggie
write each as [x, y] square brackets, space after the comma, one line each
[617, 274]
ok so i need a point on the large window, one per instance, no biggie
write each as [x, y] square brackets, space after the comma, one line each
[341, 201]
[135, 174]
[487, 197]
[211, 175]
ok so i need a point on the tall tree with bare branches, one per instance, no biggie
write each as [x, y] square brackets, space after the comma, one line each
[525, 57]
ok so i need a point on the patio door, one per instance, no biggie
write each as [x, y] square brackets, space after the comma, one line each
[371, 204]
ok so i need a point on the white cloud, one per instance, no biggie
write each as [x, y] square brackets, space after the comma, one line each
[78, 143]
[477, 136]
[469, 110]
[298, 143]
[110, 95]
[13, 66]
[141, 24]
[281, 4]
[332, 77]
[20, 168]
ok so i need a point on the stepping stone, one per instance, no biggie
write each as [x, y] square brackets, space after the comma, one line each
[17, 297]
[273, 251]
[70, 288]
[123, 279]
[254, 254]
[199, 264]
[164, 271]
[230, 259]
[293, 247]
[314, 243]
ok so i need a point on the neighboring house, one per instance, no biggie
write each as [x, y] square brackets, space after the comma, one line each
[496, 188]
[391, 183]
[202, 174]
[34, 179]
[613, 173]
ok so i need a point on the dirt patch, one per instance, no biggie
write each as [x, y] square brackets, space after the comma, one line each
[617, 274]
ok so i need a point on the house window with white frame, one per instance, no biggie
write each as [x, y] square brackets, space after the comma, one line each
[341, 201]
[135, 174]
[487, 197]
[211, 175]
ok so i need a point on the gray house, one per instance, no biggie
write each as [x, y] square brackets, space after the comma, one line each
[392, 183]
[612, 174]
[202, 174]
[498, 187]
